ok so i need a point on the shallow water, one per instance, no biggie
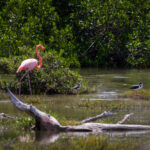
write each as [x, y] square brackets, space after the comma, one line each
[109, 84]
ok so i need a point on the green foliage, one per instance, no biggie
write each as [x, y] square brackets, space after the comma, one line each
[54, 76]
[108, 33]
[5, 65]
[3, 95]
[36, 99]
[141, 94]
[33, 22]
[24, 123]
[96, 33]
[110, 24]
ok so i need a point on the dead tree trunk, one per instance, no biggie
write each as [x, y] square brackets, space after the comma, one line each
[49, 123]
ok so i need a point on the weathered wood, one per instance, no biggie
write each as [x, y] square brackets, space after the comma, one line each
[104, 114]
[43, 121]
[46, 122]
[127, 116]
[115, 127]
[5, 116]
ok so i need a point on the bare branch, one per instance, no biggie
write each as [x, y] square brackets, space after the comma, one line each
[104, 114]
[127, 116]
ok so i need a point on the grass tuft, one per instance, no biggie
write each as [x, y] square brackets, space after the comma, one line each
[141, 94]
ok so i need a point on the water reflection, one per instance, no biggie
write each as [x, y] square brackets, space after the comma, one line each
[120, 77]
[46, 137]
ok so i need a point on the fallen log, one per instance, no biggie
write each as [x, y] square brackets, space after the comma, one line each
[49, 123]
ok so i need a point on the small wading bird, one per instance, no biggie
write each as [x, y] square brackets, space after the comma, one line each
[137, 87]
[77, 87]
[28, 65]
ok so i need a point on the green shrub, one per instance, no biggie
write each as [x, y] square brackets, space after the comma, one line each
[91, 33]
[54, 76]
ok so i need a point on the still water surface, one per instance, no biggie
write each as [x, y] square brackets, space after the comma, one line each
[109, 84]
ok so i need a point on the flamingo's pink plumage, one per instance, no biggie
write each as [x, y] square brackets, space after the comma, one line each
[30, 64]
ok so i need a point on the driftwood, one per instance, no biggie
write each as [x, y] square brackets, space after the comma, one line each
[5, 116]
[104, 114]
[126, 117]
[49, 123]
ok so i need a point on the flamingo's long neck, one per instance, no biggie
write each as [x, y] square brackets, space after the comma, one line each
[37, 53]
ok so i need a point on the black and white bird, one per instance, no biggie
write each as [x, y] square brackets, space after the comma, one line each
[77, 87]
[137, 87]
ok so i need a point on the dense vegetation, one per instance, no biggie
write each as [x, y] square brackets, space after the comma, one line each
[54, 76]
[96, 33]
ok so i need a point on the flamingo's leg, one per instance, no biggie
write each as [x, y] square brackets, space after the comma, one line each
[20, 82]
[135, 93]
[29, 83]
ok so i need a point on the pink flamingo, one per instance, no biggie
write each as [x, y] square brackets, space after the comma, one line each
[30, 64]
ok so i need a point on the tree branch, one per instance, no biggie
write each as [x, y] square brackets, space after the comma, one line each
[127, 116]
[104, 114]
